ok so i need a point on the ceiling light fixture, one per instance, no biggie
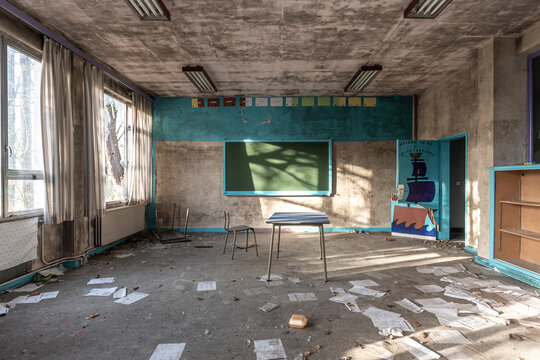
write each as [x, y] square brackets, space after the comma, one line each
[363, 77]
[425, 9]
[150, 9]
[198, 76]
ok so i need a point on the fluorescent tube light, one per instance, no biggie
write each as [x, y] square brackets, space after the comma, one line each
[363, 77]
[150, 9]
[425, 9]
[198, 76]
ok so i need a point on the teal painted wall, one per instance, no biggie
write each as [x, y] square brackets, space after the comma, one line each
[176, 120]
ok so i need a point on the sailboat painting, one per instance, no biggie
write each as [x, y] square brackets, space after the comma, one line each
[420, 188]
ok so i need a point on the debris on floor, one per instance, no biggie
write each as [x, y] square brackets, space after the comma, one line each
[298, 297]
[409, 305]
[54, 271]
[168, 352]
[101, 292]
[28, 287]
[298, 321]
[429, 288]
[243, 246]
[272, 277]
[419, 350]
[131, 298]
[294, 280]
[269, 349]
[206, 286]
[120, 293]
[97, 281]
[268, 307]
[448, 337]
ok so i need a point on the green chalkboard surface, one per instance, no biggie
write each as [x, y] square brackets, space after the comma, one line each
[277, 168]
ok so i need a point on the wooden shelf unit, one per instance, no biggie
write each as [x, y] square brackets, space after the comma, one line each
[517, 217]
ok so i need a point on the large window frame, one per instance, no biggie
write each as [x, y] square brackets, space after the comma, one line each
[128, 121]
[7, 174]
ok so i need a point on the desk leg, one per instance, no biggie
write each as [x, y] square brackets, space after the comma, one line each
[270, 253]
[320, 243]
[278, 241]
[321, 231]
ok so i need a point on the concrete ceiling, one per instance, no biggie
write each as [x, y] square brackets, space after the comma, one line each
[283, 47]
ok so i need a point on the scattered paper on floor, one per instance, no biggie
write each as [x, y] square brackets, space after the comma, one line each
[131, 298]
[55, 271]
[409, 305]
[343, 298]
[429, 288]
[363, 283]
[294, 280]
[37, 298]
[295, 297]
[101, 292]
[448, 337]
[269, 349]
[275, 283]
[97, 281]
[120, 293]
[419, 350]
[437, 270]
[461, 353]
[168, 352]
[206, 286]
[366, 291]
[268, 307]
[3, 310]
[272, 277]
[334, 290]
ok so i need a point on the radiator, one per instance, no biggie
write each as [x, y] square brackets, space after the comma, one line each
[121, 222]
[18, 242]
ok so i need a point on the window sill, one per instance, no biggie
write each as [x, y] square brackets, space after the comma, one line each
[117, 207]
[21, 217]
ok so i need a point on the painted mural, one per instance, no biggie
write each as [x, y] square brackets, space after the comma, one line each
[418, 171]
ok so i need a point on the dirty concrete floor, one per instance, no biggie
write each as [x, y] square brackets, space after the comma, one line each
[174, 312]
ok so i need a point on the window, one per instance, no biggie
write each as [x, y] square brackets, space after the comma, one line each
[23, 188]
[117, 121]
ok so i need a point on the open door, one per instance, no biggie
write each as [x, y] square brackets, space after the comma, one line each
[415, 205]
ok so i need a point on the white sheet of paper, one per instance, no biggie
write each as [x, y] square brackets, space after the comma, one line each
[261, 101]
[97, 281]
[353, 306]
[206, 286]
[475, 322]
[275, 283]
[28, 288]
[429, 288]
[456, 293]
[409, 305]
[120, 293]
[131, 298]
[276, 101]
[295, 297]
[272, 277]
[49, 295]
[17, 300]
[343, 298]
[101, 292]
[448, 313]
[363, 283]
[52, 271]
[448, 337]
[366, 291]
[271, 349]
[31, 299]
[334, 290]
[379, 351]
[3, 310]
[268, 307]
[419, 350]
[168, 352]
[398, 323]
[288, 101]
[249, 101]
[294, 280]
[434, 302]
[375, 313]
[460, 353]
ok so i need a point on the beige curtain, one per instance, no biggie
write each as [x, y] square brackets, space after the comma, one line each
[140, 152]
[57, 132]
[94, 140]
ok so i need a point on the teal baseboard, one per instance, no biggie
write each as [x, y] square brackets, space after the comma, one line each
[482, 261]
[19, 282]
[471, 250]
[304, 229]
[515, 272]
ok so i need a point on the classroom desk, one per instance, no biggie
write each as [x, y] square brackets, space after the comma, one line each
[280, 219]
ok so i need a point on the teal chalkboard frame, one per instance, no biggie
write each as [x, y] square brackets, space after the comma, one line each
[319, 192]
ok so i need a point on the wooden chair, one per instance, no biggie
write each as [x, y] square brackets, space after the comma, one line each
[235, 229]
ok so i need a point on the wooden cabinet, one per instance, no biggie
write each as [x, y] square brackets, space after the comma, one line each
[516, 216]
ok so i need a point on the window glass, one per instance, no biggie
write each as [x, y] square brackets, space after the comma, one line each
[24, 115]
[24, 195]
[116, 112]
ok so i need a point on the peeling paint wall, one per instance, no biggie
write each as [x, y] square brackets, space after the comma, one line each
[189, 163]
[488, 101]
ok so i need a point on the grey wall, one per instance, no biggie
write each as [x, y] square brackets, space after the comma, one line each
[191, 174]
[457, 184]
[487, 101]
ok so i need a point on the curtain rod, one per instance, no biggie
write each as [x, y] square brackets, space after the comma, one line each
[45, 31]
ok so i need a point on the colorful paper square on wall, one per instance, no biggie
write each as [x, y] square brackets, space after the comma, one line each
[340, 101]
[276, 101]
[197, 103]
[261, 101]
[323, 101]
[370, 101]
[308, 101]
[291, 101]
[355, 101]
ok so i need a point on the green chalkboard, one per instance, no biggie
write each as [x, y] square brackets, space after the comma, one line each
[277, 168]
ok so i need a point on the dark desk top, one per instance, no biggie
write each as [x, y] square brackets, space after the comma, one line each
[298, 218]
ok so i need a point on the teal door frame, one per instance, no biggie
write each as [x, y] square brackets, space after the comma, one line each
[444, 193]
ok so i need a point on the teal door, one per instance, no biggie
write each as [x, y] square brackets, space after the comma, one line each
[416, 212]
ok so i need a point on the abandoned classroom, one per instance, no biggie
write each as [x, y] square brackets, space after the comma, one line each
[248, 179]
